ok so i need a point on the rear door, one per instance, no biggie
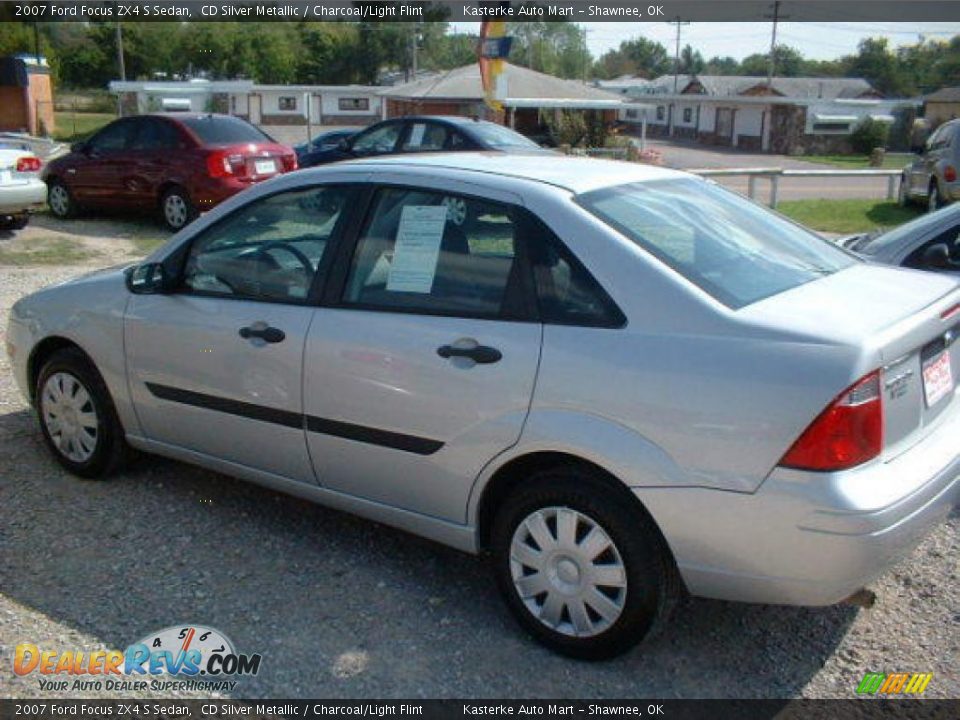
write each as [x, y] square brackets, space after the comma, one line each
[153, 158]
[380, 140]
[421, 364]
[216, 367]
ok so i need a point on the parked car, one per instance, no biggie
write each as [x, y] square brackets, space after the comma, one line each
[177, 165]
[428, 133]
[617, 380]
[932, 177]
[931, 242]
[306, 152]
[21, 189]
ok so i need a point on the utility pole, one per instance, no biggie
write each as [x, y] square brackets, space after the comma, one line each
[414, 43]
[676, 56]
[771, 68]
[123, 72]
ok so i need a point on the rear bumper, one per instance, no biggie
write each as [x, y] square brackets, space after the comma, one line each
[811, 538]
[207, 193]
[16, 199]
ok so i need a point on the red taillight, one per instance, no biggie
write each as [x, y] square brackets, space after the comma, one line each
[289, 162]
[848, 433]
[950, 312]
[28, 164]
[221, 164]
[949, 173]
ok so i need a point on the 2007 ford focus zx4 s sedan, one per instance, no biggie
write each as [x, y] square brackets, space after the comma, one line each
[619, 382]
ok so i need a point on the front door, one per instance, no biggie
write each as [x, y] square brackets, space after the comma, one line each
[724, 126]
[96, 176]
[215, 367]
[421, 368]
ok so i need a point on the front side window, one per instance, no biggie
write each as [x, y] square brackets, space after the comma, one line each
[425, 137]
[730, 247]
[271, 249]
[114, 137]
[923, 259]
[378, 140]
[426, 251]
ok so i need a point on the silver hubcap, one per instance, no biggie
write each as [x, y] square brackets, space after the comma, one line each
[568, 572]
[175, 210]
[59, 201]
[69, 416]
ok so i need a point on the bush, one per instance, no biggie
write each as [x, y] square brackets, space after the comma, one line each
[868, 135]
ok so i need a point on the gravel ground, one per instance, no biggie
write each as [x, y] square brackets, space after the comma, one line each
[340, 607]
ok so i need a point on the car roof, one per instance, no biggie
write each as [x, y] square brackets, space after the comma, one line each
[576, 174]
[450, 119]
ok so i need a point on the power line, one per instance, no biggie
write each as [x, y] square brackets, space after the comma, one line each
[676, 57]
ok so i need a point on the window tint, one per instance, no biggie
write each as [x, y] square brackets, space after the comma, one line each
[270, 249]
[220, 130]
[950, 238]
[114, 137]
[435, 253]
[424, 137]
[156, 135]
[379, 140]
[730, 247]
[566, 293]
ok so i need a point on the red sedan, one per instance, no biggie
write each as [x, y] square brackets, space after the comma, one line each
[178, 165]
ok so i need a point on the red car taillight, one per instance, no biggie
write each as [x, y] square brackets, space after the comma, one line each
[28, 164]
[950, 173]
[848, 433]
[289, 162]
[221, 164]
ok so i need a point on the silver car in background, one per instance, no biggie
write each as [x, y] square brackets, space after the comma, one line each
[618, 381]
[932, 178]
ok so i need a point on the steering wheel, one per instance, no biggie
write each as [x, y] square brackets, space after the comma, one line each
[264, 249]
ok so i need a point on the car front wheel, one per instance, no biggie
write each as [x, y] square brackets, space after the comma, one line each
[77, 416]
[60, 200]
[584, 571]
[177, 208]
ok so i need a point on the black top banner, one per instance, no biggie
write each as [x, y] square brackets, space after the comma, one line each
[447, 709]
[465, 10]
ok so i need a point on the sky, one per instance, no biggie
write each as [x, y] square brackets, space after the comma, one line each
[815, 40]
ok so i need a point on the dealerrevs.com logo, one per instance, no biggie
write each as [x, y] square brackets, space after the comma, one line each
[182, 657]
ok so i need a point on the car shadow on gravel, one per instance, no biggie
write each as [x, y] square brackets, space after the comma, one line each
[338, 606]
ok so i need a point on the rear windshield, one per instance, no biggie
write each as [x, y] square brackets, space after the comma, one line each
[733, 249]
[224, 130]
[497, 136]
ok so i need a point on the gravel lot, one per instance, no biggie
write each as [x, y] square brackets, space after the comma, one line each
[340, 607]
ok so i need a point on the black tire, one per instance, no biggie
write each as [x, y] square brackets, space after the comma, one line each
[110, 448]
[60, 200]
[652, 582]
[184, 212]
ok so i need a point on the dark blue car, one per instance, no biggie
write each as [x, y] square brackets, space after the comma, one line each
[424, 134]
[307, 152]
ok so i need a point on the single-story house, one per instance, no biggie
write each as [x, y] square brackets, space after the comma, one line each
[26, 95]
[941, 106]
[787, 115]
[261, 104]
[525, 93]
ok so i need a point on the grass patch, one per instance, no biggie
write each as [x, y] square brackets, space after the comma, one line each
[45, 251]
[847, 216]
[143, 245]
[75, 126]
[858, 162]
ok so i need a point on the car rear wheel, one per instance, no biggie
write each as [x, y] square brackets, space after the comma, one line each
[77, 416]
[583, 571]
[60, 200]
[177, 208]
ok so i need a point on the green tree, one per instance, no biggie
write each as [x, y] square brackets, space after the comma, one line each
[640, 56]
[722, 66]
[691, 61]
[876, 63]
[789, 63]
[555, 48]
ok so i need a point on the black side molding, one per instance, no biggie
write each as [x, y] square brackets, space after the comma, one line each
[336, 428]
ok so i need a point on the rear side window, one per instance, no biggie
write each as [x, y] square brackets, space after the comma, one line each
[425, 251]
[156, 135]
[218, 130]
[730, 247]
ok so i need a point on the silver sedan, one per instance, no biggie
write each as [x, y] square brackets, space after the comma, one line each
[620, 382]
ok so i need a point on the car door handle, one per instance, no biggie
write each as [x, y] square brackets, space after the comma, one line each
[481, 354]
[267, 334]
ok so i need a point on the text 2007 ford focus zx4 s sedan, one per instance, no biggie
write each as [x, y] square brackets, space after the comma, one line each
[619, 381]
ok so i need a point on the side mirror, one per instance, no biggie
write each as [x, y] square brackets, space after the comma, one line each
[147, 279]
[937, 256]
[344, 145]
